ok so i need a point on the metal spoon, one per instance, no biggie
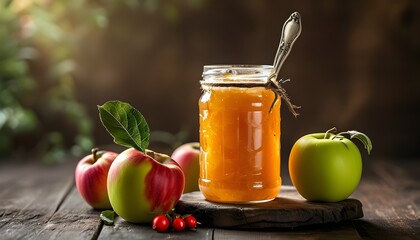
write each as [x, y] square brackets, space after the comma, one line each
[291, 31]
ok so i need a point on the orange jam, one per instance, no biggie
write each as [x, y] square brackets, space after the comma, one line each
[239, 135]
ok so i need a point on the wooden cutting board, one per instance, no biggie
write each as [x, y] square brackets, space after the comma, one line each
[288, 210]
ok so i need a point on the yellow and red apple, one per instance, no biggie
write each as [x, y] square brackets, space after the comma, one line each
[143, 185]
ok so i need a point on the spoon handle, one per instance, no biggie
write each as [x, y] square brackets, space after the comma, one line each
[291, 31]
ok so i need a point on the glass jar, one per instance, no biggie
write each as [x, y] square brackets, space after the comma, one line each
[239, 135]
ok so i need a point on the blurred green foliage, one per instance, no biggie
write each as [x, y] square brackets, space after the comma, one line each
[37, 95]
[15, 82]
[39, 114]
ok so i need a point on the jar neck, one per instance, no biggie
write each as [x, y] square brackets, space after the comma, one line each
[246, 76]
[241, 75]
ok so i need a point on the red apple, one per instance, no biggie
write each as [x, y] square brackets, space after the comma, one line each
[91, 178]
[141, 186]
[187, 156]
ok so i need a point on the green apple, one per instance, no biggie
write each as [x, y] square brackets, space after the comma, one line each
[325, 166]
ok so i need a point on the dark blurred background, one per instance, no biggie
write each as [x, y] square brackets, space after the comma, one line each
[355, 66]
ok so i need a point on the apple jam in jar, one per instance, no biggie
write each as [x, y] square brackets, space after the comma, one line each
[239, 135]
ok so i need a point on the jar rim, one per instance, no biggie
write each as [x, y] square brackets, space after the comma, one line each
[236, 73]
[241, 66]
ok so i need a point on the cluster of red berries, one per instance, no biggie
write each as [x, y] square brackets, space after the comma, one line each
[162, 222]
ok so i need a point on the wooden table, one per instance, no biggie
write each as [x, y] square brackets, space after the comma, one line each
[41, 202]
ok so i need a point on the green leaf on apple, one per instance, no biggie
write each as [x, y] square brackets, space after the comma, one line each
[108, 217]
[363, 138]
[126, 124]
[353, 134]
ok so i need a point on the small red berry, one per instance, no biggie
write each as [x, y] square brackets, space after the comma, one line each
[161, 223]
[178, 224]
[190, 221]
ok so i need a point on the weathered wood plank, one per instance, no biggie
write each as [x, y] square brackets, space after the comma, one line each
[390, 193]
[29, 196]
[40, 202]
[75, 219]
[344, 231]
[126, 230]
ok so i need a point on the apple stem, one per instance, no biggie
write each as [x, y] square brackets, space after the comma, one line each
[94, 152]
[196, 146]
[334, 129]
[339, 135]
[150, 153]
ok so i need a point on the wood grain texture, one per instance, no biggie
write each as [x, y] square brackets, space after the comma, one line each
[390, 192]
[75, 219]
[41, 202]
[29, 196]
[126, 230]
[344, 231]
[288, 210]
